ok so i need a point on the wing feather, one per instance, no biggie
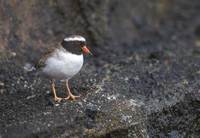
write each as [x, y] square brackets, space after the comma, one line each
[41, 63]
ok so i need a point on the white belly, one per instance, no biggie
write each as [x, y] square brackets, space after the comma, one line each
[63, 65]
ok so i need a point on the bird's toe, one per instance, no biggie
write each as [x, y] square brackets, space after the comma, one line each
[57, 99]
[72, 97]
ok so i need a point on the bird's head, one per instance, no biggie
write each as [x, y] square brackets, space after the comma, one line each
[75, 44]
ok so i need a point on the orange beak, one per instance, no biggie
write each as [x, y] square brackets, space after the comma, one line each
[86, 50]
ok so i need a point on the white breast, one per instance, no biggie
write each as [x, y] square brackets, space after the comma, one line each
[63, 65]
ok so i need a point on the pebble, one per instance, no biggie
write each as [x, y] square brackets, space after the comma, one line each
[126, 118]
[126, 78]
[80, 104]
[57, 104]
[2, 91]
[28, 67]
[13, 54]
[30, 97]
[47, 92]
[112, 97]
[1, 84]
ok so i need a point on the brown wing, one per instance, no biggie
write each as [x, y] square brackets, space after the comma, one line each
[41, 63]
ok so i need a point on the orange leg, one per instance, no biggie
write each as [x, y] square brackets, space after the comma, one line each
[70, 95]
[56, 98]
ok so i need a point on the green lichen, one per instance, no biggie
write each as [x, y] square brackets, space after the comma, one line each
[112, 125]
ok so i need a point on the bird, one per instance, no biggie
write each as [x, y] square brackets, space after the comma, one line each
[64, 61]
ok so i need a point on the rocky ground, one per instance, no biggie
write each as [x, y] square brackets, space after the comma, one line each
[138, 84]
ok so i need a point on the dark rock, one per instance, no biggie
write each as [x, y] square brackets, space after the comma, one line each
[143, 80]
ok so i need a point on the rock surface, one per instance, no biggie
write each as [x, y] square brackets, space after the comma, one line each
[143, 80]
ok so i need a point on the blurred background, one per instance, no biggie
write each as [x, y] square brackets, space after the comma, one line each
[143, 80]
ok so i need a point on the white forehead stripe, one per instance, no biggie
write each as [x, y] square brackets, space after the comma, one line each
[75, 38]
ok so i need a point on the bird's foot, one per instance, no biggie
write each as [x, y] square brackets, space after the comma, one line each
[71, 97]
[57, 99]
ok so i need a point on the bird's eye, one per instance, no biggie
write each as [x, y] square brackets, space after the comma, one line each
[82, 44]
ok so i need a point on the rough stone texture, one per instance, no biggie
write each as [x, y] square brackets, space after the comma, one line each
[143, 80]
